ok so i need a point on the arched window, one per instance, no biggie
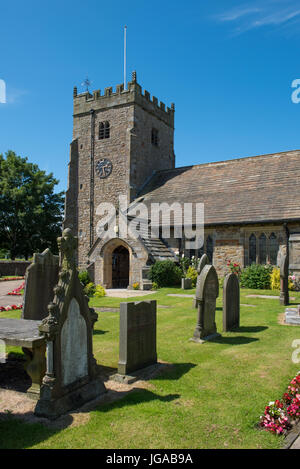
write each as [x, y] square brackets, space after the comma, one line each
[154, 137]
[274, 246]
[104, 130]
[252, 249]
[101, 130]
[262, 249]
[209, 248]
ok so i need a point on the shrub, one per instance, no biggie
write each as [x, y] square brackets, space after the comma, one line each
[234, 267]
[256, 276]
[165, 273]
[136, 286]
[192, 274]
[275, 280]
[84, 277]
[154, 286]
[90, 289]
[100, 291]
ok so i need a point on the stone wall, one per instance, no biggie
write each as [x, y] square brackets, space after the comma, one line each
[18, 268]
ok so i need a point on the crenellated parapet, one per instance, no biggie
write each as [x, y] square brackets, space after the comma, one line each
[134, 94]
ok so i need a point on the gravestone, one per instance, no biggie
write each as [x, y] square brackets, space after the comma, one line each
[207, 292]
[284, 280]
[231, 302]
[40, 279]
[186, 283]
[292, 316]
[71, 378]
[137, 345]
[202, 263]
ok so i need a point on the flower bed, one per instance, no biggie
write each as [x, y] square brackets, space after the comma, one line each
[17, 291]
[10, 307]
[281, 415]
[7, 279]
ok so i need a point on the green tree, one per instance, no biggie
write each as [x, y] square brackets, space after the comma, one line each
[31, 213]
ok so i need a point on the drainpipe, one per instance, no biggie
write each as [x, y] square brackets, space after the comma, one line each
[92, 179]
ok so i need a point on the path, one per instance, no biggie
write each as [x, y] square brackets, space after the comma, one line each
[124, 293]
[6, 287]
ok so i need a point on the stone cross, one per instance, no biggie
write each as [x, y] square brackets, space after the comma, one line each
[207, 292]
[231, 302]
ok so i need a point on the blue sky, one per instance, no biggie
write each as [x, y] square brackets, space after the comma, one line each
[227, 65]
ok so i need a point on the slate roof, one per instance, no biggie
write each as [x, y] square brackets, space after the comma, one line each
[251, 189]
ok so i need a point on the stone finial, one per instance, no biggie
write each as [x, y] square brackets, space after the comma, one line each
[133, 77]
[74, 91]
[173, 106]
[67, 245]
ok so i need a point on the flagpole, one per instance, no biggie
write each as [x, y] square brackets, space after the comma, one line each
[125, 30]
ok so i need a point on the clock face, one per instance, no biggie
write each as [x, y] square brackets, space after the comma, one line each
[104, 168]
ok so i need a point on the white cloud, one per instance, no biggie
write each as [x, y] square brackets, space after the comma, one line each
[258, 14]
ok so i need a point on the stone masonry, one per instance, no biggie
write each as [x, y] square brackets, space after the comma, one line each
[132, 115]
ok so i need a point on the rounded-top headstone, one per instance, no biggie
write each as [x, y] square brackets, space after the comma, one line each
[231, 302]
[202, 262]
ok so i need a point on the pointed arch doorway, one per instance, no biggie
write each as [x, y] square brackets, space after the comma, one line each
[120, 267]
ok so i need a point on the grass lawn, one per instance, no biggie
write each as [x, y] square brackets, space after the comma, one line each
[212, 397]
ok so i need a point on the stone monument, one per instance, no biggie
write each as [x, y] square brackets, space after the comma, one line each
[284, 280]
[202, 262]
[71, 378]
[137, 344]
[207, 292]
[231, 302]
[40, 279]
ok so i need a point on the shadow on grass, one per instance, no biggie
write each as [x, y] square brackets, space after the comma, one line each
[234, 340]
[13, 375]
[173, 370]
[134, 397]
[16, 434]
[24, 430]
[158, 371]
[250, 329]
[99, 332]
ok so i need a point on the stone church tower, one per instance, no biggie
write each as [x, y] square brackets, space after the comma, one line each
[119, 140]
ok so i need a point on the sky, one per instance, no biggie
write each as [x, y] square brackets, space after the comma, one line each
[227, 65]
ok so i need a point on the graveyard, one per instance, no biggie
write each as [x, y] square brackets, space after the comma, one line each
[208, 395]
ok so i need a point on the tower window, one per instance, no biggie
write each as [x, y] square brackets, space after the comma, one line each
[154, 137]
[104, 130]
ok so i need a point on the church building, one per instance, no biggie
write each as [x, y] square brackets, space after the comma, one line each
[123, 145]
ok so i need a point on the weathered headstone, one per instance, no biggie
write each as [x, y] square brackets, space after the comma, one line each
[231, 302]
[71, 378]
[292, 316]
[186, 283]
[137, 345]
[202, 263]
[284, 280]
[40, 279]
[206, 295]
